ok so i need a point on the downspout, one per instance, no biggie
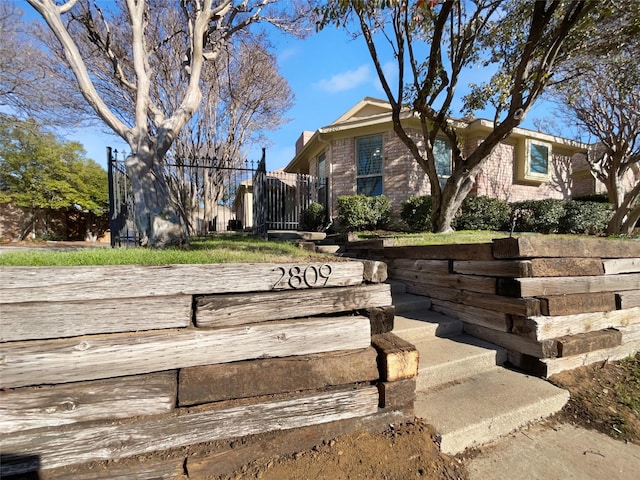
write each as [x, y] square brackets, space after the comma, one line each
[329, 175]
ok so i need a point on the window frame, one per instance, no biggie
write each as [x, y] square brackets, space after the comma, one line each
[442, 178]
[370, 175]
[525, 172]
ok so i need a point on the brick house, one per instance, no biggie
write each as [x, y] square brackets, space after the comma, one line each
[527, 165]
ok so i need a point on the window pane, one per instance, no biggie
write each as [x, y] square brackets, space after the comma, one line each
[539, 159]
[369, 154]
[321, 165]
[442, 155]
[370, 186]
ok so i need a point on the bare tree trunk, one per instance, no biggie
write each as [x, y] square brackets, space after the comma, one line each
[156, 218]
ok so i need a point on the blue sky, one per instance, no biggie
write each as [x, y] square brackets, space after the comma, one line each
[329, 73]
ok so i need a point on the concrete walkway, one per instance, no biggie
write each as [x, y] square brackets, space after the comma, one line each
[558, 452]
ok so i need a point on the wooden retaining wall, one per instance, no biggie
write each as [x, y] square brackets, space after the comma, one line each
[130, 370]
[554, 303]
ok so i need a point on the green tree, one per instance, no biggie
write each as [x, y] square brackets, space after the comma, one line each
[40, 174]
[603, 102]
[433, 43]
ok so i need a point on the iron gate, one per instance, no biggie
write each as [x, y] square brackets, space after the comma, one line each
[220, 196]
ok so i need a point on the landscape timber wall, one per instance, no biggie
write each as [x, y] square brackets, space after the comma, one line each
[554, 303]
[189, 371]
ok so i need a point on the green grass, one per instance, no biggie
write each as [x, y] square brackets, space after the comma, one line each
[427, 238]
[227, 249]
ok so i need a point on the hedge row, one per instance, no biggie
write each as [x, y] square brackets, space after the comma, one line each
[539, 216]
[580, 216]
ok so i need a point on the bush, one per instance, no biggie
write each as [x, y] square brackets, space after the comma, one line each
[593, 197]
[538, 216]
[416, 212]
[313, 217]
[359, 212]
[589, 218]
[483, 213]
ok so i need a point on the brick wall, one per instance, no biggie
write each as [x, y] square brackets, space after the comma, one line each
[403, 176]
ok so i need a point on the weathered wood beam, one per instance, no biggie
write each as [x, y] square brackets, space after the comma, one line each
[108, 442]
[478, 316]
[470, 251]
[459, 282]
[629, 299]
[214, 383]
[494, 268]
[170, 468]
[399, 394]
[542, 349]
[215, 311]
[621, 265]
[397, 358]
[541, 246]
[374, 271]
[510, 305]
[103, 356]
[29, 284]
[546, 327]
[426, 266]
[588, 342]
[54, 405]
[577, 303]
[380, 318]
[542, 287]
[551, 366]
[42, 320]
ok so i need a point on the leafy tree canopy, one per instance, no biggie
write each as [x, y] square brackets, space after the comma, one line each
[38, 171]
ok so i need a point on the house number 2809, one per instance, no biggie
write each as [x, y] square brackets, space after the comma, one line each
[303, 277]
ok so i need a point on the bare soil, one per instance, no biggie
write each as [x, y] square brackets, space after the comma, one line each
[407, 451]
[604, 396]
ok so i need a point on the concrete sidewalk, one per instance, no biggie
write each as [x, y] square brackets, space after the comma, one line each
[556, 452]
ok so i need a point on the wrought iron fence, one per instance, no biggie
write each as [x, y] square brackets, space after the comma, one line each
[215, 195]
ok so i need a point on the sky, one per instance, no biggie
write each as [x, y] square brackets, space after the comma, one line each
[329, 72]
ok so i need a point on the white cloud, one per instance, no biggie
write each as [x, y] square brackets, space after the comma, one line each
[345, 80]
[390, 70]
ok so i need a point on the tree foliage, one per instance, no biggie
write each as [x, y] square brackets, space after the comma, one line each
[604, 103]
[38, 172]
[433, 43]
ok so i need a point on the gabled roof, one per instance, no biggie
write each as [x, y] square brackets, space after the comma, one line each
[373, 112]
[365, 108]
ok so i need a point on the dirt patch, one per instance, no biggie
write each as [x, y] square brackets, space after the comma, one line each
[604, 396]
[407, 451]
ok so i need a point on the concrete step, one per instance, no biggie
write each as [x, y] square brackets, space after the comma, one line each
[397, 287]
[407, 302]
[328, 249]
[446, 360]
[487, 406]
[418, 325]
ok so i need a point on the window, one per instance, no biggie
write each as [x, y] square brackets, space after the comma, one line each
[535, 167]
[442, 157]
[369, 166]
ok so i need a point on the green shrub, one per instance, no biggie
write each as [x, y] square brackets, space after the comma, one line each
[538, 216]
[589, 218]
[313, 217]
[593, 197]
[483, 213]
[416, 212]
[360, 212]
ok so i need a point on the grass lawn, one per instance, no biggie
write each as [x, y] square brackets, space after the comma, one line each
[223, 249]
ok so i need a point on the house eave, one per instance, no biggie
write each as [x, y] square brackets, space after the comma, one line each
[482, 125]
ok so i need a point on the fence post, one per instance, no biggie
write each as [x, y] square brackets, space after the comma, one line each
[112, 199]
